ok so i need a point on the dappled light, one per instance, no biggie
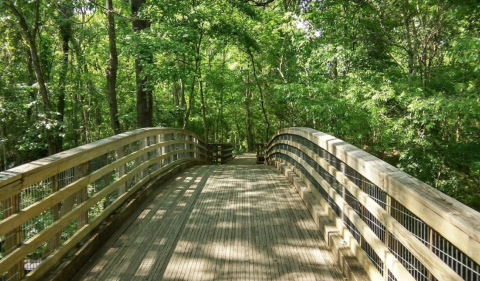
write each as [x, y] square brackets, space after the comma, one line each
[219, 223]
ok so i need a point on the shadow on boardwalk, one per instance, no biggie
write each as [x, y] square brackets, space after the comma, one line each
[244, 159]
[218, 223]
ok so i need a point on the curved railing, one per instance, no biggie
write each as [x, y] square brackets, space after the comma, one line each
[48, 206]
[221, 152]
[399, 228]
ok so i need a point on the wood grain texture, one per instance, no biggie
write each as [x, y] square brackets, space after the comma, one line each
[415, 246]
[380, 249]
[28, 213]
[219, 223]
[453, 220]
[46, 167]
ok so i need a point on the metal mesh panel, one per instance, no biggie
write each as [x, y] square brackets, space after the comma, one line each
[453, 257]
[40, 190]
[35, 193]
[35, 225]
[409, 261]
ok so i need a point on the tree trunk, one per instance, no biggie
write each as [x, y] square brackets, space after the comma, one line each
[180, 101]
[175, 95]
[237, 124]
[190, 102]
[31, 82]
[65, 34]
[144, 94]
[112, 70]
[267, 123]
[194, 79]
[30, 37]
[204, 115]
[182, 94]
[410, 48]
[248, 121]
[224, 55]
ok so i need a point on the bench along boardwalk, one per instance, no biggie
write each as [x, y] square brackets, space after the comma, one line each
[228, 222]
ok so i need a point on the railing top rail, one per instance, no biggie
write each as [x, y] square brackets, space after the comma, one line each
[49, 205]
[454, 220]
[85, 152]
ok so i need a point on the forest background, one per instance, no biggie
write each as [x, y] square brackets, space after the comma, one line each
[399, 79]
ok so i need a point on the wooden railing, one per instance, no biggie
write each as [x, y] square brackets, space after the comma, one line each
[221, 152]
[399, 228]
[260, 149]
[48, 206]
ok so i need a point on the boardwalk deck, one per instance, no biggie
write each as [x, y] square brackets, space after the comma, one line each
[241, 222]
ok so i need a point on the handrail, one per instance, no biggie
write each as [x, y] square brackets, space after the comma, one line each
[407, 229]
[49, 205]
[221, 152]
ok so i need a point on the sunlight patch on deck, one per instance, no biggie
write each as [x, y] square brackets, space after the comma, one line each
[241, 222]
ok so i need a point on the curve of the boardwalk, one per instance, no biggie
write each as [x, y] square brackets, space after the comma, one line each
[162, 204]
[218, 222]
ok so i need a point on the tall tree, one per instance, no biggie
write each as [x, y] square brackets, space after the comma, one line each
[30, 36]
[262, 98]
[65, 26]
[112, 70]
[144, 92]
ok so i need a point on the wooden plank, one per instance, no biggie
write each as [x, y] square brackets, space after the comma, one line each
[380, 249]
[431, 261]
[8, 177]
[53, 259]
[13, 239]
[224, 224]
[118, 243]
[58, 225]
[319, 207]
[453, 220]
[33, 210]
[16, 187]
[10, 190]
[48, 166]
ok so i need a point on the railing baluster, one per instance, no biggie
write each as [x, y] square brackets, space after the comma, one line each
[82, 195]
[57, 190]
[13, 238]
[388, 208]
[409, 238]
[120, 153]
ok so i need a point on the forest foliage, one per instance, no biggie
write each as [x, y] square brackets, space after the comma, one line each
[399, 79]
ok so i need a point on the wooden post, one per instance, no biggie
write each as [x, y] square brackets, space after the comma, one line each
[139, 160]
[172, 148]
[388, 208]
[106, 180]
[430, 239]
[159, 151]
[13, 238]
[82, 195]
[144, 143]
[121, 170]
[163, 149]
[191, 146]
[54, 242]
[185, 145]
[260, 147]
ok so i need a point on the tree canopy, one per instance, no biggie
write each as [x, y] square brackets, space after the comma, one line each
[399, 79]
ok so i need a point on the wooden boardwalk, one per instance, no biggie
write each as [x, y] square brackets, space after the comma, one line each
[228, 222]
